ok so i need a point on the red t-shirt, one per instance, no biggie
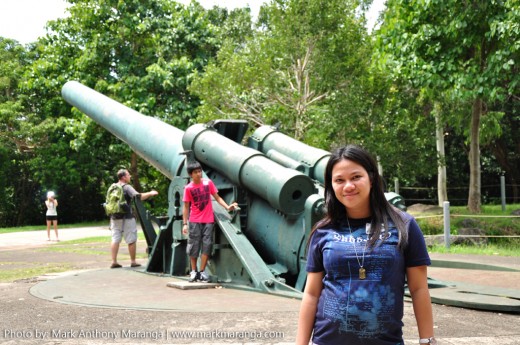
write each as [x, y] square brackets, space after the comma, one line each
[199, 197]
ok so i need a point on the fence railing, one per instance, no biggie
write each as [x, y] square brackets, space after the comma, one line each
[501, 193]
[446, 215]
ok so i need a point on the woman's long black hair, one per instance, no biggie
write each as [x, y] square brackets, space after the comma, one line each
[380, 209]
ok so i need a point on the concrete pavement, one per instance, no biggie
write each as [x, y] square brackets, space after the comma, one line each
[104, 306]
[28, 239]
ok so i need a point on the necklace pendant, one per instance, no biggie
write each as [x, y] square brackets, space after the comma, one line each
[362, 273]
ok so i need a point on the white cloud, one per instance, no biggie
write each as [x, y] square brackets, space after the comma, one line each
[24, 20]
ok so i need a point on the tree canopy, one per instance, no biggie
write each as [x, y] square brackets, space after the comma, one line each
[464, 52]
[308, 67]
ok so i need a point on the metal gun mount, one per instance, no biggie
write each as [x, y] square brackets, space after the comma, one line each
[276, 180]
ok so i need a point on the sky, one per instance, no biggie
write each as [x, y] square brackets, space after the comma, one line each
[24, 20]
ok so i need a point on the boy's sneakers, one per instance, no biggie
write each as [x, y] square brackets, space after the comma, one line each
[204, 277]
[199, 276]
[194, 276]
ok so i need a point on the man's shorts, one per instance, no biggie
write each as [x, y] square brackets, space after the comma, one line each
[126, 228]
[200, 235]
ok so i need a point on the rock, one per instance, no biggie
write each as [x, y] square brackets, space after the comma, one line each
[470, 236]
[422, 208]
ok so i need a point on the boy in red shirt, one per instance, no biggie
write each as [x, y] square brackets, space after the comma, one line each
[197, 203]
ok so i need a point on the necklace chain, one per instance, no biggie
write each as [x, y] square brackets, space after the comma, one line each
[362, 271]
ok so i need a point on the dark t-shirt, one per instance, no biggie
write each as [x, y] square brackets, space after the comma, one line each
[368, 311]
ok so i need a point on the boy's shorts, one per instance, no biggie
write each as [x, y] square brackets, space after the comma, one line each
[200, 235]
[126, 228]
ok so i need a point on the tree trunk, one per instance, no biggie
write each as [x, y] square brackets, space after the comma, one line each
[134, 171]
[474, 201]
[512, 174]
[442, 192]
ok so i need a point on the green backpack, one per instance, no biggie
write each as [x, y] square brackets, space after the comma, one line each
[115, 202]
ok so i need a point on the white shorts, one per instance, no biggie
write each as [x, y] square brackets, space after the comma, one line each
[126, 228]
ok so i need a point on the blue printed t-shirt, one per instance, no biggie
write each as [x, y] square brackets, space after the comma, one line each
[369, 311]
[199, 197]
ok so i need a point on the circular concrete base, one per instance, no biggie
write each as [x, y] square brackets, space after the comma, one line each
[127, 288]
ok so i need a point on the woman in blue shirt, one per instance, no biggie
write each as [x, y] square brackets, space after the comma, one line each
[360, 256]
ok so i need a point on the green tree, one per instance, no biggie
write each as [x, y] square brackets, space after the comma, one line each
[18, 188]
[463, 50]
[306, 69]
[302, 57]
[140, 53]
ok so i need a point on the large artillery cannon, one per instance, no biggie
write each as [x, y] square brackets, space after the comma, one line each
[277, 182]
[260, 247]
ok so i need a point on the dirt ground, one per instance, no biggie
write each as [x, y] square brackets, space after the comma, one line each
[27, 319]
[56, 254]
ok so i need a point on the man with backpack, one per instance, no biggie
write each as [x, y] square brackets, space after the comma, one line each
[122, 222]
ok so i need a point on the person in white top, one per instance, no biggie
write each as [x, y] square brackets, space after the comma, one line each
[51, 215]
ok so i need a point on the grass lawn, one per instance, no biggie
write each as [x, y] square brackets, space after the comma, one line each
[60, 226]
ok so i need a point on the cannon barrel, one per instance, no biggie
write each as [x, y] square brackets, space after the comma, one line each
[290, 152]
[150, 138]
[285, 189]
[160, 144]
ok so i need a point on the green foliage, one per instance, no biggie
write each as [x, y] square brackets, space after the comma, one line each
[468, 48]
[462, 53]
[17, 187]
[301, 61]
[306, 69]
[305, 66]
[140, 53]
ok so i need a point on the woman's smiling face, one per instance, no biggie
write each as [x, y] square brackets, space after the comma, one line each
[352, 186]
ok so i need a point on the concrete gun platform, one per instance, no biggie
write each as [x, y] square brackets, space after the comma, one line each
[129, 288]
[477, 282]
[133, 289]
[468, 281]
